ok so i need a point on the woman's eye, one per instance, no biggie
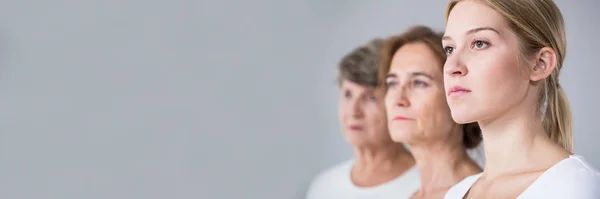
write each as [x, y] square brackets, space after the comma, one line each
[347, 94]
[372, 98]
[449, 50]
[419, 83]
[391, 84]
[479, 44]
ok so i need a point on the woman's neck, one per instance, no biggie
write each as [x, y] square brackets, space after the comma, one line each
[377, 165]
[383, 159]
[442, 164]
[516, 142]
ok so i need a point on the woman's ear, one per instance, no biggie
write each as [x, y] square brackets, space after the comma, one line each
[544, 64]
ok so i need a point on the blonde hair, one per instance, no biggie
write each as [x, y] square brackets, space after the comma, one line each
[539, 24]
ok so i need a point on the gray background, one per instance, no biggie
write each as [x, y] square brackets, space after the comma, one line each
[204, 99]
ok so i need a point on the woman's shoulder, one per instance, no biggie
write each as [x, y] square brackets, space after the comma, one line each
[572, 177]
[573, 168]
[335, 171]
[461, 188]
[334, 174]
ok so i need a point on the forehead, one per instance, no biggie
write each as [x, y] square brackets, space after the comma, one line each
[415, 57]
[358, 89]
[470, 14]
[349, 85]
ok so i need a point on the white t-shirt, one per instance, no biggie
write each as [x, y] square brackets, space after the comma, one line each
[572, 177]
[336, 183]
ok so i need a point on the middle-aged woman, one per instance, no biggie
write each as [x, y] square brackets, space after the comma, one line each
[418, 114]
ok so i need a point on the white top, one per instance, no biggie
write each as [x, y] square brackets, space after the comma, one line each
[336, 183]
[572, 177]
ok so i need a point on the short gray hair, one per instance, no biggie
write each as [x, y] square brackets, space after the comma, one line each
[361, 65]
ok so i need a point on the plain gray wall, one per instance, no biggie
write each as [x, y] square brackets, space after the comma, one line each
[204, 99]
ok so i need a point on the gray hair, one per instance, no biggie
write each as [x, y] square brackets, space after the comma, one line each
[361, 65]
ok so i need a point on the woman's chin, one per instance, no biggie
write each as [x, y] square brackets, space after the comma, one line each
[400, 137]
[463, 117]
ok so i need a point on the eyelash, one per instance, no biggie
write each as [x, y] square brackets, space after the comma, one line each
[449, 49]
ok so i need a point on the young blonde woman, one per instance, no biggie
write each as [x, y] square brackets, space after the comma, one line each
[502, 71]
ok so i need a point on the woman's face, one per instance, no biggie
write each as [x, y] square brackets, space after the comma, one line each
[483, 76]
[416, 104]
[362, 115]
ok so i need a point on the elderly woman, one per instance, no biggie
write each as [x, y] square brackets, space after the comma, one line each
[418, 115]
[381, 168]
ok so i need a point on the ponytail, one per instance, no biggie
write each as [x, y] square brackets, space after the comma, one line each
[557, 119]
